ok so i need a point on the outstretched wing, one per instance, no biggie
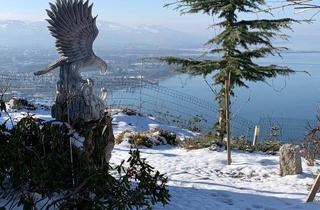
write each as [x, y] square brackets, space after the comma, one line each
[73, 26]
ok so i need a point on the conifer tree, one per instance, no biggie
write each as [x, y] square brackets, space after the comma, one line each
[241, 42]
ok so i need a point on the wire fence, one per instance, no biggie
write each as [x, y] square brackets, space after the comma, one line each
[286, 129]
[164, 104]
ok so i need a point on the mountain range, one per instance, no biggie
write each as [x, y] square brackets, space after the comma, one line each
[14, 33]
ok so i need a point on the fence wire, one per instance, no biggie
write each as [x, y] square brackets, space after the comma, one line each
[167, 105]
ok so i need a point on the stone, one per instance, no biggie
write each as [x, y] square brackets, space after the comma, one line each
[216, 148]
[290, 160]
[18, 104]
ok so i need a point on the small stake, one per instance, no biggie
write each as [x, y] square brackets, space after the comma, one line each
[256, 135]
[315, 188]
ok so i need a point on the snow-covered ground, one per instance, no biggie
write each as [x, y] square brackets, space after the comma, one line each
[121, 122]
[200, 179]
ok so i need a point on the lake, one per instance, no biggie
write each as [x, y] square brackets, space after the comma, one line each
[296, 96]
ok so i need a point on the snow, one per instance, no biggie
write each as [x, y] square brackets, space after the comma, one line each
[134, 123]
[151, 29]
[200, 179]
[18, 115]
[121, 122]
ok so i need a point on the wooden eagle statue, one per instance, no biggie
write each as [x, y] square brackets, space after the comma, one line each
[75, 29]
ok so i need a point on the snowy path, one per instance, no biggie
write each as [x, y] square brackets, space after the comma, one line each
[201, 180]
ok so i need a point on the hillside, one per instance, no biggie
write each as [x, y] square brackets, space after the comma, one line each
[202, 176]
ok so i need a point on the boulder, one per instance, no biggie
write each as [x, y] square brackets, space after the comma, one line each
[290, 160]
[18, 103]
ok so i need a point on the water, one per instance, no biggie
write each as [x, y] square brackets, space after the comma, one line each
[296, 96]
[283, 104]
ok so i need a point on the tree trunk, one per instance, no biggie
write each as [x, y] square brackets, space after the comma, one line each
[99, 142]
[227, 97]
[221, 123]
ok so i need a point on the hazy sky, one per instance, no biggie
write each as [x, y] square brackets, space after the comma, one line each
[128, 12]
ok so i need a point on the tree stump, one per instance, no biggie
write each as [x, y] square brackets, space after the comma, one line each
[77, 105]
[99, 141]
[290, 160]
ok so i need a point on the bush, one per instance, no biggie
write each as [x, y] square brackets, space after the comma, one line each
[206, 141]
[140, 140]
[148, 139]
[170, 137]
[36, 168]
[119, 138]
[198, 142]
[131, 112]
[270, 147]
[311, 144]
[243, 145]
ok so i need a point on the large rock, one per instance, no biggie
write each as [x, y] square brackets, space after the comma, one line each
[18, 103]
[290, 160]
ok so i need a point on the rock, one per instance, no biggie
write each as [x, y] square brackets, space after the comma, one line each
[130, 112]
[17, 103]
[216, 148]
[290, 160]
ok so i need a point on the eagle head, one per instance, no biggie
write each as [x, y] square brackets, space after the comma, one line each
[101, 65]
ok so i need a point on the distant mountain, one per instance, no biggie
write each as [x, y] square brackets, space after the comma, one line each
[15, 33]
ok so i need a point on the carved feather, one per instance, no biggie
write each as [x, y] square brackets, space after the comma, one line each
[75, 29]
[73, 26]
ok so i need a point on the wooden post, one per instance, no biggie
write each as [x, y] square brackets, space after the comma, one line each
[256, 135]
[227, 97]
[315, 188]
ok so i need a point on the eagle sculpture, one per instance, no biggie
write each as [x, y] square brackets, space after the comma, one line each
[74, 27]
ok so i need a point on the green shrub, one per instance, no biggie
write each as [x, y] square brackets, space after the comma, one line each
[35, 166]
[140, 140]
[198, 142]
[270, 147]
[170, 137]
[130, 112]
[243, 145]
[119, 138]
[148, 139]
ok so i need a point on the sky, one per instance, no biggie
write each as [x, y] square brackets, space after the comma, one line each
[133, 13]
[128, 12]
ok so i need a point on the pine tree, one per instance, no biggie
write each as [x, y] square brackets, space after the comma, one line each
[241, 42]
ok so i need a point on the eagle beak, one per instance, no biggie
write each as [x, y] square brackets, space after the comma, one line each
[103, 70]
